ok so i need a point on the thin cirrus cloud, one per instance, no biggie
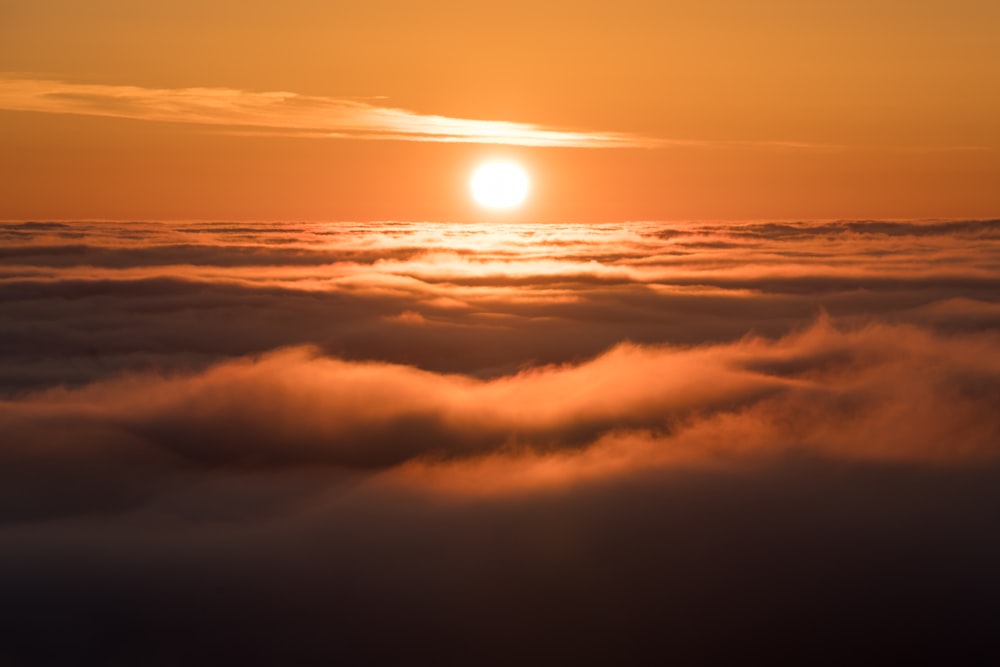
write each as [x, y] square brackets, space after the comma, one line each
[310, 116]
[283, 113]
[292, 114]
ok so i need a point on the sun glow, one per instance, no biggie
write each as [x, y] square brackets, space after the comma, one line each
[499, 185]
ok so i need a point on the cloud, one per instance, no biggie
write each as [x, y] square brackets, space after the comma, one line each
[823, 392]
[290, 114]
[86, 301]
[255, 113]
[404, 443]
[280, 508]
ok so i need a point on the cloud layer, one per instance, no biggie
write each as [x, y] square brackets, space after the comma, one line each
[437, 444]
[84, 301]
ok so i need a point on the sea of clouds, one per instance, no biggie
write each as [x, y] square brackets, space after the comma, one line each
[429, 443]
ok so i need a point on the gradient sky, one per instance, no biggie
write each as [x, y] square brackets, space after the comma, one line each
[621, 110]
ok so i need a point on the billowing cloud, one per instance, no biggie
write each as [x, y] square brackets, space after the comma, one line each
[432, 444]
[879, 393]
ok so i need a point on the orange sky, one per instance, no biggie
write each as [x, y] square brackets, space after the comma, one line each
[770, 109]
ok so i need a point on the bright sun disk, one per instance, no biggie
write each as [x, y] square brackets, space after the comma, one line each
[499, 185]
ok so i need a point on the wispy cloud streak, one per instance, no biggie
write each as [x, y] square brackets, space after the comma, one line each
[282, 113]
[291, 113]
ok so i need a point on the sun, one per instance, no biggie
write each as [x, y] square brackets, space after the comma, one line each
[499, 185]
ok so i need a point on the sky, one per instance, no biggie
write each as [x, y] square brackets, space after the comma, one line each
[276, 389]
[328, 110]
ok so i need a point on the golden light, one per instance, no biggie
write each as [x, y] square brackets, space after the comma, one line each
[499, 185]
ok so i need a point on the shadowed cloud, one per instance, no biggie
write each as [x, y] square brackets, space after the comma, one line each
[879, 393]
